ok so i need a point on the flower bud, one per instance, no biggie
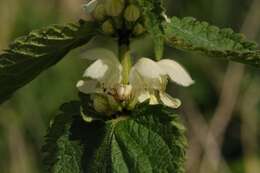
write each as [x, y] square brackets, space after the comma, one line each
[100, 12]
[114, 7]
[108, 27]
[132, 13]
[138, 29]
[114, 105]
[120, 91]
[100, 103]
[124, 92]
[132, 103]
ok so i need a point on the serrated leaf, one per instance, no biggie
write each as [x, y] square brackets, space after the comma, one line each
[153, 13]
[192, 35]
[61, 154]
[28, 56]
[151, 140]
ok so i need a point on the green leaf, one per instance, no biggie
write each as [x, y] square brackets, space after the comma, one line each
[61, 154]
[153, 13]
[191, 35]
[150, 140]
[28, 56]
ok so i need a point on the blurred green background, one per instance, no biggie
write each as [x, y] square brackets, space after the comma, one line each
[221, 111]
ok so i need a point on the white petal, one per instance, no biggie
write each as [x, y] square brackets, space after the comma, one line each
[148, 68]
[90, 6]
[87, 86]
[153, 100]
[176, 72]
[128, 90]
[169, 101]
[146, 75]
[136, 80]
[97, 70]
[143, 97]
[107, 69]
[114, 75]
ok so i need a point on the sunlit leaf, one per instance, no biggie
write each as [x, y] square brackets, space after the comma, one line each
[191, 35]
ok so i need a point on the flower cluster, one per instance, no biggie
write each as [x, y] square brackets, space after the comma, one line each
[147, 81]
[116, 15]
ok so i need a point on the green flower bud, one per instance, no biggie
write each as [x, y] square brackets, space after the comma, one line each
[138, 29]
[100, 103]
[100, 12]
[108, 27]
[114, 7]
[132, 13]
[132, 103]
[114, 105]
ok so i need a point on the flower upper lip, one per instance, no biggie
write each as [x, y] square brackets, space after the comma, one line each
[149, 80]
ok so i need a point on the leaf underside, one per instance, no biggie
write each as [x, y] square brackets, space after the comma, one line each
[151, 140]
[153, 10]
[192, 35]
[29, 55]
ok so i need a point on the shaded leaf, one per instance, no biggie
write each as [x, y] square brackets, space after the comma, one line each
[29, 55]
[150, 140]
[192, 35]
[60, 153]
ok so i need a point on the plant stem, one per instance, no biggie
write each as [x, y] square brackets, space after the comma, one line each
[124, 52]
[125, 58]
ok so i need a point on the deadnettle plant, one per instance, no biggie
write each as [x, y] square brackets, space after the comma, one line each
[124, 120]
[116, 86]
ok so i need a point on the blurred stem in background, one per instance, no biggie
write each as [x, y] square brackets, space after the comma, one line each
[25, 118]
[8, 12]
[250, 127]
[231, 90]
[250, 104]
[212, 160]
[20, 155]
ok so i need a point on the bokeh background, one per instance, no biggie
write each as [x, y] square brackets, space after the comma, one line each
[221, 111]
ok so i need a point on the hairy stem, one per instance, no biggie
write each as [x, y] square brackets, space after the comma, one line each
[125, 58]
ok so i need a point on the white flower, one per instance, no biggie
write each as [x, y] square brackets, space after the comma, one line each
[147, 79]
[102, 76]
